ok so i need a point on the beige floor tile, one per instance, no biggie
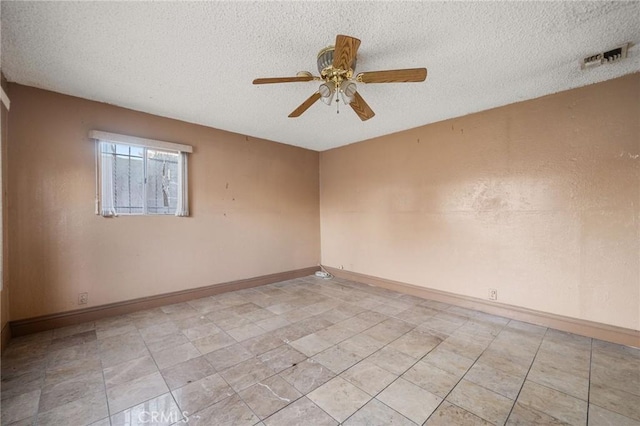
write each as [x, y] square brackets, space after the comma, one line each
[103, 422]
[368, 377]
[213, 342]
[573, 361]
[495, 380]
[168, 341]
[512, 351]
[388, 330]
[616, 371]
[187, 372]
[202, 393]
[439, 325]
[129, 370]
[361, 345]
[72, 370]
[296, 315]
[336, 333]
[337, 359]
[626, 353]
[79, 387]
[569, 339]
[301, 328]
[556, 404]
[392, 360]
[307, 375]
[245, 332]
[79, 412]
[339, 398]
[21, 384]
[529, 329]
[410, 400]
[73, 329]
[143, 319]
[73, 353]
[272, 323]
[302, 410]
[20, 407]
[448, 361]
[467, 346]
[525, 415]
[204, 305]
[259, 315]
[416, 315]
[450, 415]
[136, 391]
[431, 378]
[121, 348]
[356, 324]
[504, 363]
[29, 363]
[231, 411]
[615, 400]
[602, 417]
[115, 330]
[269, 395]
[159, 411]
[66, 364]
[311, 344]
[228, 357]
[416, 343]
[230, 322]
[263, 343]
[376, 413]
[281, 358]
[201, 330]
[559, 379]
[176, 355]
[246, 374]
[72, 340]
[480, 401]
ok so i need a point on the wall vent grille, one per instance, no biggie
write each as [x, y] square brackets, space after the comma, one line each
[610, 56]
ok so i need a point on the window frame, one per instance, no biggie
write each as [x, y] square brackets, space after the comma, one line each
[108, 209]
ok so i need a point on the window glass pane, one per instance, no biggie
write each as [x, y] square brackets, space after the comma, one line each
[128, 181]
[162, 182]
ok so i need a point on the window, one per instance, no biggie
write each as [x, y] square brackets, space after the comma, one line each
[145, 177]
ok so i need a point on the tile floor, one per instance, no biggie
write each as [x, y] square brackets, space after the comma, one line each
[316, 352]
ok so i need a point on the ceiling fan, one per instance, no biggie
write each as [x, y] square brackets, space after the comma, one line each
[336, 65]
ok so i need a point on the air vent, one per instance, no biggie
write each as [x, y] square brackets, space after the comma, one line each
[608, 57]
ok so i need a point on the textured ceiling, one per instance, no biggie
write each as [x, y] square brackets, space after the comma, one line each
[195, 61]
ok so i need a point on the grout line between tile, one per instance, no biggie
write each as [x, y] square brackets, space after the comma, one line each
[590, 367]
[515, 401]
[465, 373]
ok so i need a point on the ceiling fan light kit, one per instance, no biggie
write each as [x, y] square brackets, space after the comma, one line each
[336, 65]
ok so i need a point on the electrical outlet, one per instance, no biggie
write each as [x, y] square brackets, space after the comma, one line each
[341, 267]
[493, 294]
[83, 298]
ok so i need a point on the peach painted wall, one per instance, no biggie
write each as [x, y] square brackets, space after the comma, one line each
[254, 209]
[4, 294]
[538, 199]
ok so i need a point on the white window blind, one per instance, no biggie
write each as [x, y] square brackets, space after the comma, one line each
[137, 176]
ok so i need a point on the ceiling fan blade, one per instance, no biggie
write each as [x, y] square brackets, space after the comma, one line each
[393, 76]
[305, 105]
[361, 108]
[345, 51]
[282, 79]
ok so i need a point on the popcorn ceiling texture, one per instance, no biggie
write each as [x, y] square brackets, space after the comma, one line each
[195, 61]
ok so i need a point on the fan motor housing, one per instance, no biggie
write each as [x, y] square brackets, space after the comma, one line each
[325, 59]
